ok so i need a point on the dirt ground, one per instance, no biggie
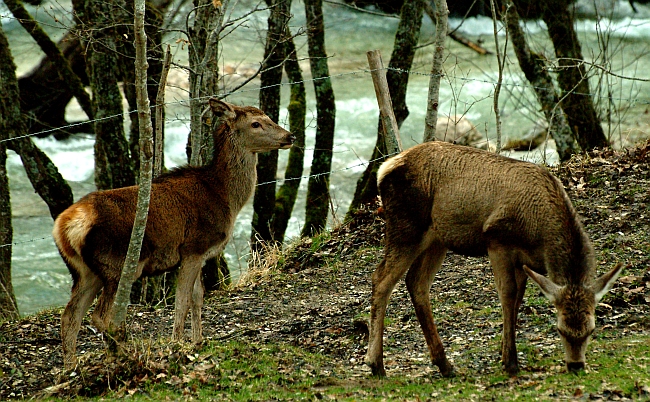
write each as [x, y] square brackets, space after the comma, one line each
[319, 299]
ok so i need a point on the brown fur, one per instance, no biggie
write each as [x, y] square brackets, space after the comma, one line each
[191, 217]
[439, 196]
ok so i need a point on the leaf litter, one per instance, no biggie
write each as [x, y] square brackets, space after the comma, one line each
[317, 300]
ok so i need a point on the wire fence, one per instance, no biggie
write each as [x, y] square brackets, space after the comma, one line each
[632, 101]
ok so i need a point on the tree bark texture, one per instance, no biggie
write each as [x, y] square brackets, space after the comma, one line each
[401, 60]
[270, 80]
[532, 66]
[153, 20]
[285, 198]
[204, 77]
[572, 76]
[101, 23]
[8, 306]
[128, 275]
[431, 117]
[44, 176]
[318, 196]
[204, 82]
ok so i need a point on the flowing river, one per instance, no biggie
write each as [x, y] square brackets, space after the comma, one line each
[620, 44]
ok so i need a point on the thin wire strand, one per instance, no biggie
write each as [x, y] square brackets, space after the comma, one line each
[633, 101]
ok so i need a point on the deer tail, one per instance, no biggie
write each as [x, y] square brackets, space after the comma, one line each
[70, 230]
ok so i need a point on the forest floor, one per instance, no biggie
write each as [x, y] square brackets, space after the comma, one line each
[307, 316]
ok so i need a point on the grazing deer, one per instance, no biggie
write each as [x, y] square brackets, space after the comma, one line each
[439, 196]
[191, 217]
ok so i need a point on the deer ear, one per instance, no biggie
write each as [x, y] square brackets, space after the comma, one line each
[222, 109]
[550, 289]
[604, 283]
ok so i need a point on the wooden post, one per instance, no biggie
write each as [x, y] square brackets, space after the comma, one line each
[389, 123]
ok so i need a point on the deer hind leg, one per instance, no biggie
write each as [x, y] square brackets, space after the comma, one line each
[103, 306]
[520, 278]
[187, 277]
[507, 280]
[418, 283]
[83, 293]
[395, 263]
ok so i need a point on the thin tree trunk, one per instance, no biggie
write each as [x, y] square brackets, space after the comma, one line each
[318, 196]
[8, 106]
[153, 20]
[270, 80]
[8, 306]
[155, 289]
[204, 82]
[533, 68]
[122, 296]
[401, 60]
[500, 61]
[286, 196]
[113, 165]
[572, 76]
[431, 117]
[204, 77]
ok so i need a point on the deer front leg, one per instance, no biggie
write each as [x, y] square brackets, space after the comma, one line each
[506, 283]
[418, 283]
[197, 305]
[187, 276]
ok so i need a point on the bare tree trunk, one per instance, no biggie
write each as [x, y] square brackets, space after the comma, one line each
[153, 20]
[267, 163]
[122, 296]
[8, 306]
[542, 83]
[113, 165]
[285, 198]
[204, 77]
[8, 105]
[318, 186]
[431, 118]
[155, 289]
[401, 60]
[572, 76]
[204, 82]
[500, 61]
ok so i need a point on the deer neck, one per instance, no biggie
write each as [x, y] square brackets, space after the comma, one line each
[571, 260]
[233, 171]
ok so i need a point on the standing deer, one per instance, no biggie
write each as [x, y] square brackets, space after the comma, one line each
[191, 217]
[439, 196]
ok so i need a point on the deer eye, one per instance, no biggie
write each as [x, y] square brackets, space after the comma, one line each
[256, 125]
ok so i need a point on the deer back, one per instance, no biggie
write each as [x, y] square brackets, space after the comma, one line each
[468, 198]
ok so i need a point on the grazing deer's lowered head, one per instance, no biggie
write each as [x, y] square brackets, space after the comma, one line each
[439, 196]
[191, 217]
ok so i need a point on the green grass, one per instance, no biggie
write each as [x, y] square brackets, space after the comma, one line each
[250, 372]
